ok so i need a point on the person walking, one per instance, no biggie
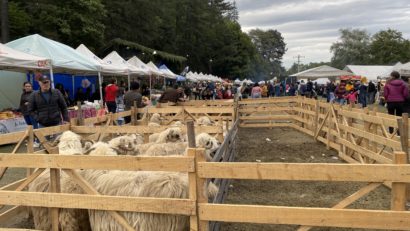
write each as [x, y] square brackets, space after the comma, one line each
[130, 97]
[24, 101]
[111, 91]
[363, 92]
[371, 93]
[395, 93]
[47, 106]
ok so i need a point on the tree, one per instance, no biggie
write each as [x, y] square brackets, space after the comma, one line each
[353, 48]
[389, 47]
[20, 21]
[5, 21]
[271, 47]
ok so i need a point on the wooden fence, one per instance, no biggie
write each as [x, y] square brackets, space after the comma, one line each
[360, 137]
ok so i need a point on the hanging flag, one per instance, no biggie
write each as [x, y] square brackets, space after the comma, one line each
[185, 71]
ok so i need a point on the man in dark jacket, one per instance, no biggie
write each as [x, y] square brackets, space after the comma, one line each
[47, 105]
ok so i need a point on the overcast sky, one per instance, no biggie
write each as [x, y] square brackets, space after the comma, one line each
[311, 26]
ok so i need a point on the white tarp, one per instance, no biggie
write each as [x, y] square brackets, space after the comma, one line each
[167, 72]
[103, 66]
[320, 72]
[135, 61]
[115, 59]
[371, 72]
[404, 69]
[154, 68]
[11, 59]
[321, 81]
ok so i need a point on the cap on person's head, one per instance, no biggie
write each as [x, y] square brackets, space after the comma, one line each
[135, 85]
[44, 78]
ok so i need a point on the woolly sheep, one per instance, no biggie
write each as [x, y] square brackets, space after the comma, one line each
[204, 121]
[173, 134]
[155, 120]
[203, 140]
[125, 145]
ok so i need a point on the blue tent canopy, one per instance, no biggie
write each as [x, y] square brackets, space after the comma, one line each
[180, 78]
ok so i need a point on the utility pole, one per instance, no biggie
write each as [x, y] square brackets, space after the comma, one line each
[299, 57]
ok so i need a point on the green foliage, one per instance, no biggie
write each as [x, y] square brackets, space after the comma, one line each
[389, 47]
[183, 32]
[19, 20]
[270, 47]
[353, 48]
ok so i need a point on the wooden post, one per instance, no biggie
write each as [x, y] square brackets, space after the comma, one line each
[192, 176]
[329, 124]
[398, 190]
[134, 114]
[201, 189]
[191, 134]
[80, 116]
[404, 135]
[316, 122]
[55, 187]
[30, 148]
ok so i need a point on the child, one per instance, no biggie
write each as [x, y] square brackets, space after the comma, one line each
[351, 97]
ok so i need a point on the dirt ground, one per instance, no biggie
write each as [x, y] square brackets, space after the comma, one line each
[269, 145]
[288, 145]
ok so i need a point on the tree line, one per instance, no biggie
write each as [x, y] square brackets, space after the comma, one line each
[359, 47]
[206, 32]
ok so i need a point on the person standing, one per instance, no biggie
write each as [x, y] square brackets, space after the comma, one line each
[47, 106]
[256, 91]
[395, 94]
[24, 101]
[371, 93]
[130, 97]
[111, 91]
[363, 92]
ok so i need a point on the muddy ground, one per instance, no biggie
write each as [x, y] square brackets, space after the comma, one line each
[289, 145]
[284, 145]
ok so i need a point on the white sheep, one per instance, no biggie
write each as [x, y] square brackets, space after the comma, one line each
[155, 120]
[125, 145]
[69, 143]
[204, 121]
[172, 134]
[203, 140]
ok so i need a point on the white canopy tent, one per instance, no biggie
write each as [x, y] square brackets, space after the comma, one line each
[321, 81]
[62, 57]
[103, 67]
[320, 72]
[135, 61]
[14, 60]
[115, 59]
[371, 72]
[167, 72]
[403, 69]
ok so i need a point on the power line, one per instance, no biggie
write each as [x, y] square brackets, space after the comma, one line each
[298, 57]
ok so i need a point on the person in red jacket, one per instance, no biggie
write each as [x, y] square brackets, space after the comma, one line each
[111, 91]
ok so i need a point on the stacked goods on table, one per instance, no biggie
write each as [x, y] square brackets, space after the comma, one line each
[8, 114]
[88, 109]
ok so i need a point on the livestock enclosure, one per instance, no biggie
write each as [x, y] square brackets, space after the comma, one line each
[366, 139]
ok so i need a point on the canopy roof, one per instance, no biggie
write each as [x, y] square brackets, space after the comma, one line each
[115, 59]
[62, 57]
[154, 68]
[321, 72]
[14, 60]
[135, 61]
[167, 72]
[371, 72]
[404, 69]
[103, 66]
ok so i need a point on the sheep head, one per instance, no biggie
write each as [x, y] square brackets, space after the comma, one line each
[124, 143]
[101, 149]
[174, 134]
[155, 118]
[210, 143]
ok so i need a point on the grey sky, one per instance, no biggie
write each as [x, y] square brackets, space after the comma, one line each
[311, 26]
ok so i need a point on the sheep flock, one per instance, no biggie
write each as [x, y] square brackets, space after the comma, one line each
[124, 183]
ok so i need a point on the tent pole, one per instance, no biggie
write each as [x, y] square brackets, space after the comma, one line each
[73, 80]
[52, 77]
[129, 81]
[100, 85]
[150, 85]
